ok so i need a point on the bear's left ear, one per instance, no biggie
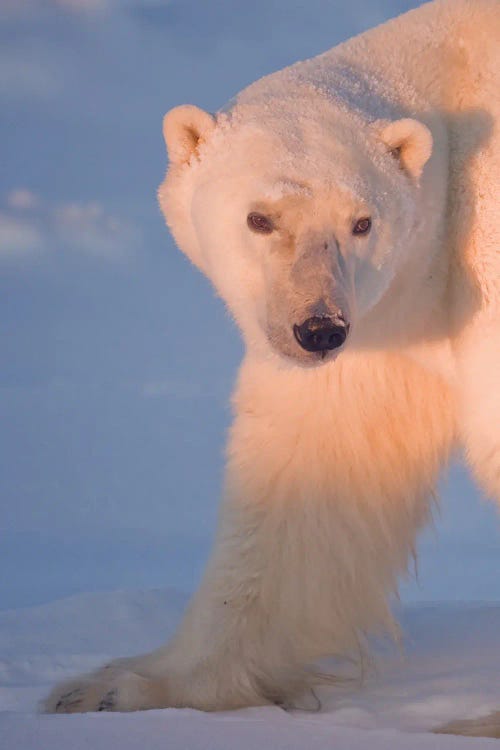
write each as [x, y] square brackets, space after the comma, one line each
[410, 142]
[184, 129]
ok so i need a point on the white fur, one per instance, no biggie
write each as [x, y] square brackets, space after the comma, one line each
[331, 466]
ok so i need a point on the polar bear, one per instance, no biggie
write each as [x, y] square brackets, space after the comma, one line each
[344, 210]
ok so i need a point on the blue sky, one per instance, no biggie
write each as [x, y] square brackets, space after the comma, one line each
[113, 423]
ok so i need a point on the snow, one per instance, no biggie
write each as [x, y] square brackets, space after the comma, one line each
[449, 669]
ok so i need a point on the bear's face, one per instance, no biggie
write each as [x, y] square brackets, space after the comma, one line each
[301, 233]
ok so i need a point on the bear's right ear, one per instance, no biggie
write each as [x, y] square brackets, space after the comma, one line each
[409, 141]
[184, 129]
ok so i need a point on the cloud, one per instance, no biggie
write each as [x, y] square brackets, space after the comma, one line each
[82, 5]
[18, 239]
[89, 229]
[98, 5]
[22, 77]
[27, 8]
[22, 198]
[30, 226]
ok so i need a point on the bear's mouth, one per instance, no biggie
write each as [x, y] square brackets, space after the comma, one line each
[294, 354]
[314, 359]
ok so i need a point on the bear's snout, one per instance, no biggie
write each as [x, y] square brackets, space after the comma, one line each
[321, 334]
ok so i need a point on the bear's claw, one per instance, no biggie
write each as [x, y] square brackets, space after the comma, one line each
[112, 688]
[108, 702]
[69, 700]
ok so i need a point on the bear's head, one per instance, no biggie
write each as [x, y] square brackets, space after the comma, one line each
[302, 223]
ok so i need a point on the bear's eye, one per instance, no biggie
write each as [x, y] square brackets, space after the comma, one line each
[362, 226]
[260, 223]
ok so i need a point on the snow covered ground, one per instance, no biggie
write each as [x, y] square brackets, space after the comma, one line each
[449, 669]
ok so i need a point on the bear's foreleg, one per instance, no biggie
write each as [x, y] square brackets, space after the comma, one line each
[329, 477]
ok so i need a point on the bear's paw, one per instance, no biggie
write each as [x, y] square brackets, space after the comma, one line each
[112, 688]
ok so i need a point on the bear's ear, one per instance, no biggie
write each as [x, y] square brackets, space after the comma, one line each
[410, 142]
[184, 128]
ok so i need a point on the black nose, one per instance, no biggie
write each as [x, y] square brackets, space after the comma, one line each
[320, 334]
